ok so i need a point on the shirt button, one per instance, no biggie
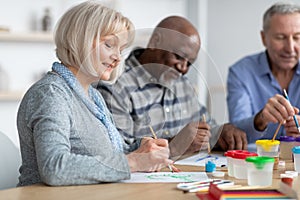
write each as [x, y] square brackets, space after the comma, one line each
[167, 132]
[167, 109]
[152, 80]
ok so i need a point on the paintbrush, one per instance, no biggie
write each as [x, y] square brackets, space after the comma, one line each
[155, 137]
[208, 145]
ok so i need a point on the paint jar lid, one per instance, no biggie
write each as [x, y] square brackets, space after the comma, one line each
[244, 155]
[260, 161]
[210, 166]
[287, 139]
[267, 142]
[292, 173]
[230, 153]
[296, 149]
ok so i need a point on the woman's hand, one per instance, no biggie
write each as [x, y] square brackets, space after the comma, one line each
[152, 155]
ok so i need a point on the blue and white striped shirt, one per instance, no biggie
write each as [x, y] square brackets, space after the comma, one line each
[143, 96]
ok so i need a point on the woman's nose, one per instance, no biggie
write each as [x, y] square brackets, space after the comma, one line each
[117, 56]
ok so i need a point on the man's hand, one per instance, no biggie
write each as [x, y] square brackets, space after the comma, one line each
[232, 138]
[201, 138]
[193, 137]
[277, 109]
[291, 128]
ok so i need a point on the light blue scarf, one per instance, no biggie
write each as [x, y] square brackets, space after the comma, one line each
[98, 108]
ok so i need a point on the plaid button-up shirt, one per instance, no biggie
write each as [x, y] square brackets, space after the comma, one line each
[143, 96]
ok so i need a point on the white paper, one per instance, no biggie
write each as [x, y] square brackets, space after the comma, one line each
[202, 158]
[166, 177]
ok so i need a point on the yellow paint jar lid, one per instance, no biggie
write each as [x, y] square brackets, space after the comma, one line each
[267, 144]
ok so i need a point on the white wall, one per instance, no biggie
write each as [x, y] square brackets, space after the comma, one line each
[229, 30]
[24, 62]
[233, 30]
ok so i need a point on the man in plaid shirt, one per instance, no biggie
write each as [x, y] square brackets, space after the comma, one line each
[154, 92]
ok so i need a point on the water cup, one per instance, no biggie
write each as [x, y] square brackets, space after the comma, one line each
[239, 164]
[229, 155]
[260, 170]
[269, 148]
[286, 145]
[296, 153]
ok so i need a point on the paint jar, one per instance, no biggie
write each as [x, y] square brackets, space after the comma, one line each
[296, 154]
[260, 170]
[287, 179]
[229, 156]
[297, 141]
[286, 145]
[269, 148]
[239, 164]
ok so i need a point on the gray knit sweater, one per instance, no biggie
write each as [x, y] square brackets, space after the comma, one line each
[62, 142]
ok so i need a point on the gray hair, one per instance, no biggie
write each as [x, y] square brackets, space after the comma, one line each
[79, 31]
[279, 8]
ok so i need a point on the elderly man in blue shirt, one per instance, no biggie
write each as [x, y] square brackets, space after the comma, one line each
[255, 83]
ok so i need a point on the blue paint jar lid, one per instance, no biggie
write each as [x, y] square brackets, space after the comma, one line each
[210, 166]
[296, 149]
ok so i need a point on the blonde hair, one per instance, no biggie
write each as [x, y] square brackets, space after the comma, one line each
[83, 25]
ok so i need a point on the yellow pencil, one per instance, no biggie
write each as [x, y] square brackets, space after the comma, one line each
[208, 145]
[155, 137]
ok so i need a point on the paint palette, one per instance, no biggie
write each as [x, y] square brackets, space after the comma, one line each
[202, 185]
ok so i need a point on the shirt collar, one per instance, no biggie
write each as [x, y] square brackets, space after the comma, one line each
[298, 69]
[265, 69]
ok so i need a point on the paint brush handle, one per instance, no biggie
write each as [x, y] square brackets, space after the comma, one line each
[152, 132]
[294, 117]
[208, 145]
[155, 137]
[277, 130]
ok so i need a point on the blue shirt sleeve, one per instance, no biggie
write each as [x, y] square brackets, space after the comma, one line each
[241, 107]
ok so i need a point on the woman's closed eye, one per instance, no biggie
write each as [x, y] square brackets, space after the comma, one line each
[108, 44]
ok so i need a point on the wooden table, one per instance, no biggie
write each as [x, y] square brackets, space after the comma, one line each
[115, 191]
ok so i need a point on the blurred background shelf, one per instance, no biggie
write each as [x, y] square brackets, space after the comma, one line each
[26, 37]
[11, 95]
